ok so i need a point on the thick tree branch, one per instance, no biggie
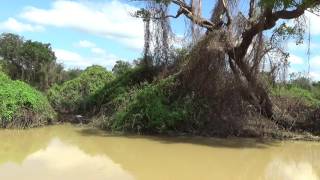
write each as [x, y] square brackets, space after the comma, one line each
[187, 11]
[267, 21]
[251, 9]
[227, 13]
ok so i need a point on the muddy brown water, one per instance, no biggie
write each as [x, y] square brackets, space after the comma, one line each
[65, 152]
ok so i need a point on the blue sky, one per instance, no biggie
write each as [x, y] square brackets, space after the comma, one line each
[84, 32]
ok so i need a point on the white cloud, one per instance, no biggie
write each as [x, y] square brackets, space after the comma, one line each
[94, 49]
[315, 68]
[292, 46]
[293, 59]
[111, 20]
[85, 44]
[98, 51]
[92, 46]
[315, 62]
[13, 25]
[315, 75]
[299, 66]
[72, 59]
[314, 23]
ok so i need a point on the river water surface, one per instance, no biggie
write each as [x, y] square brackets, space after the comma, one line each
[66, 152]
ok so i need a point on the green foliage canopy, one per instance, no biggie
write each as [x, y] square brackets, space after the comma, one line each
[74, 95]
[22, 105]
[30, 61]
[121, 67]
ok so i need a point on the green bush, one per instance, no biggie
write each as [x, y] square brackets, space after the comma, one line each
[4, 78]
[300, 81]
[1, 66]
[310, 97]
[121, 67]
[22, 106]
[121, 85]
[74, 96]
[147, 108]
[316, 92]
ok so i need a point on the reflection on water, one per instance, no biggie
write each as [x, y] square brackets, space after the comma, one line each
[65, 153]
[63, 161]
[290, 170]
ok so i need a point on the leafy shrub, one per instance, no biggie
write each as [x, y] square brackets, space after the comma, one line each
[149, 109]
[143, 107]
[316, 92]
[21, 105]
[122, 84]
[4, 78]
[301, 81]
[74, 95]
[1, 66]
[121, 67]
[309, 97]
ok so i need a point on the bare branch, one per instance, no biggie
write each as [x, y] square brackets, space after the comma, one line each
[227, 12]
[187, 11]
[251, 9]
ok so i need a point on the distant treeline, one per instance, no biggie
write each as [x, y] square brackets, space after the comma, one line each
[32, 62]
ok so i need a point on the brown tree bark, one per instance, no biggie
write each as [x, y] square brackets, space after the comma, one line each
[258, 95]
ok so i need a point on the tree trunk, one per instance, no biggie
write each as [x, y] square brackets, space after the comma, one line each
[254, 92]
[262, 100]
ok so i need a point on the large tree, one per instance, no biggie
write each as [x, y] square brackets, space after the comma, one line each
[235, 37]
[30, 61]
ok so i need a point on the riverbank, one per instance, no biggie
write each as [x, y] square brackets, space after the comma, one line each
[284, 135]
[140, 101]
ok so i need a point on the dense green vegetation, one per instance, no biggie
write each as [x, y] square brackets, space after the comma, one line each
[149, 109]
[134, 106]
[121, 67]
[29, 61]
[32, 62]
[300, 88]
[220, 83]
[75, 95]
[308, 96]
[22, 106]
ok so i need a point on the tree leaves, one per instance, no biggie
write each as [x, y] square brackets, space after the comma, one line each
[30, 61]
[16, 96]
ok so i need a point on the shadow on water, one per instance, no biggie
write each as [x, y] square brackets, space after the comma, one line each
[231, 142]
